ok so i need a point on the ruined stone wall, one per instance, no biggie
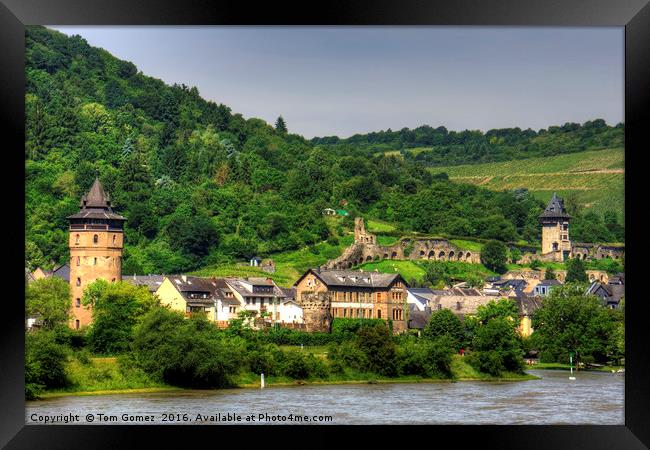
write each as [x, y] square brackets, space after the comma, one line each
[597, 251]
[316, 311]
[430, 249]
[361, 236]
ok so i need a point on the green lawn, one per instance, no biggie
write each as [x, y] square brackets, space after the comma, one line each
[415, 269]
[467, 245]
[596, 177]
[378, 226]
[289, 265]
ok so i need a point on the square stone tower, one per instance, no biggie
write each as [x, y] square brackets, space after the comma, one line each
[555, 230]
[96, 242]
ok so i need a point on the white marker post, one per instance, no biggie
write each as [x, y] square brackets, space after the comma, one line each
[571, 366]
[262, 382]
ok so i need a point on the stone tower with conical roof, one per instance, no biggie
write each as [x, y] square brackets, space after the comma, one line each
[555, 230]
[96, 242]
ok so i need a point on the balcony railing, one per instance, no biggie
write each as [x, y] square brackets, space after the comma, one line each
[90, 226]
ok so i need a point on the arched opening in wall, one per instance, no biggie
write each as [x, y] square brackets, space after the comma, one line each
[451, 255]
[422, 253]
[432, 254]
[441, 255]
[95, 239]
[393, 255]
[467, 255]
[368, 258]
[578, 255]
[602, 278]
[349, 265]
[76, 240]
[591, 277]
[385, 255]
[460, 256]
[376, 258]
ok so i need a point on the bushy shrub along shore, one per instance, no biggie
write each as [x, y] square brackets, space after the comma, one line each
[170, 351]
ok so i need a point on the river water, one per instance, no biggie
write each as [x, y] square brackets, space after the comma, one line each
[593, 398]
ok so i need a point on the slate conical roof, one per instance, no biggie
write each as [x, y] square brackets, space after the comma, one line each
[96, 197]
[96, 204]
[555, 209]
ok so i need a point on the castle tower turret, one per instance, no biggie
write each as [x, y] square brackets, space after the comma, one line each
[96, 242]
[555, 229]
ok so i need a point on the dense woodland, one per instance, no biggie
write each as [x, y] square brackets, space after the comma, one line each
[441, 147]
[200, 184]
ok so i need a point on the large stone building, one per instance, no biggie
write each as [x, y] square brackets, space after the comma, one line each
[358, 294]
[96, 242]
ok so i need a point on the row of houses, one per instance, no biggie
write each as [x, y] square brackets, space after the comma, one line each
[352, 294]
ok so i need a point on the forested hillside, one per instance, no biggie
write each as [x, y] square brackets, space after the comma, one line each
[440, 147]
[200, 184]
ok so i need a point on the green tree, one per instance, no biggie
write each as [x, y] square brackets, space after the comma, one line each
[117, 308]
[44, 363]
[436, 274]
[379, 348]
[496, 347]
[494, 256]
[280, 125]
[442, 323]
[186, 352]
[570, 322]
[549, 274]
[575, 271]
[49, 299]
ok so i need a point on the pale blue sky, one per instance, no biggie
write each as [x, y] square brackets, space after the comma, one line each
[344, 80]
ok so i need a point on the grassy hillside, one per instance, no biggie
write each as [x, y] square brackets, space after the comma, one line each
[596, 178]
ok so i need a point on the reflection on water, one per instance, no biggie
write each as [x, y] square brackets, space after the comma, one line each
[594, 398]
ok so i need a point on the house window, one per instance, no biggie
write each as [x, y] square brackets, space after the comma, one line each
[378, 296]
[95, 239]
[78, 260]
[94, 261]
[248, 301]
[76, 240]
[77, 303]
[114, 237]
[379, 314]
[261, 302]
[76, 324]
[458, 306]
[78, 281]
[439, 306]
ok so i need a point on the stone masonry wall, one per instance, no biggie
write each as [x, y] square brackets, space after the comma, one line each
[316, 311]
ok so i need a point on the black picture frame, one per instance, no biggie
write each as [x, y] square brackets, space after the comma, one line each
[634, 15]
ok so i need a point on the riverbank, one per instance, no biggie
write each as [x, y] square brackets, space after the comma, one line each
[105, 375]
[567, 367]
